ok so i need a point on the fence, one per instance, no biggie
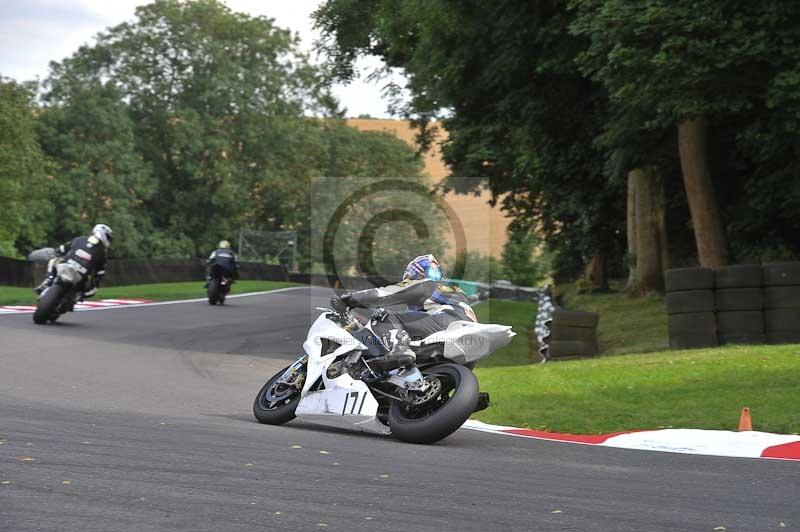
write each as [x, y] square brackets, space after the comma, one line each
[15, 272]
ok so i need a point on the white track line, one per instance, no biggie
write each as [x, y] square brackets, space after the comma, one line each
[204, 299]
[25, 310]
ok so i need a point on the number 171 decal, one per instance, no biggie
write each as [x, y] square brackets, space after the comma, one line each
[354, 396]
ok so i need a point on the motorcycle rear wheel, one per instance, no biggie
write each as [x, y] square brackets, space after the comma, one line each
[213, 292]
[438, 418]
[276, 403]
[46, 307]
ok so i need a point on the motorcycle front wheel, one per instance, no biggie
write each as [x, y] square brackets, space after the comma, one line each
[277, 400]
[443, 414]
[46, 307]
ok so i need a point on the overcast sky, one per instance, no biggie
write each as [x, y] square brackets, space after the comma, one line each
[35, 32]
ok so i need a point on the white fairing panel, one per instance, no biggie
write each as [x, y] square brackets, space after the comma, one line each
[344, 401]
[467, 341]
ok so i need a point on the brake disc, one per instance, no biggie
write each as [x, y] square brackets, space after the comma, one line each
[431, 392]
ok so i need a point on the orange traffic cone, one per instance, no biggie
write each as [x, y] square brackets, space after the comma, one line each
[744, 420]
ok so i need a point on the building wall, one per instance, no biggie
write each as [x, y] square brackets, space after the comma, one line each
[484, 226]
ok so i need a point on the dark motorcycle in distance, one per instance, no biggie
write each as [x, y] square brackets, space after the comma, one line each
[65, 291]
[219, 285]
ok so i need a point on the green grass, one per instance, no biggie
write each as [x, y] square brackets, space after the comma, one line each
[10, 295]
[650, 387]
[682, 389]
[627, 324]
[517, 314]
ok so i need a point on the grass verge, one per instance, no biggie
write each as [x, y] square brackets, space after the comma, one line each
[627, 324]
[517, 314]
[12, 295]
[682, 389]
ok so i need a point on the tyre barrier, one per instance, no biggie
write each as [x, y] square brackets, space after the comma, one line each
[782, 302]
[690, 308]
[573, 333]
[561, 333]
[739, 304]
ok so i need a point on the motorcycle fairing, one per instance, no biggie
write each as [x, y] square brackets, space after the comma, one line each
[343, 401]
[467, 341]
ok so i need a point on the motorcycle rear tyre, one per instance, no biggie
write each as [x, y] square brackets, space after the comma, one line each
[213, 292]
[447, 418]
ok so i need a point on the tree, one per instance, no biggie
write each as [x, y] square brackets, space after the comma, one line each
[23, 167]
[99, 176]
[216, 98]
[519, 114]
[687, 65]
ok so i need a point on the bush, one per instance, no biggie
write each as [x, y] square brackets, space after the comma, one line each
[476, 267]
[525, 262]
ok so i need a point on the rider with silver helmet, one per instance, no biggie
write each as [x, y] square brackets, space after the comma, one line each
[432, 306]
[88, 253]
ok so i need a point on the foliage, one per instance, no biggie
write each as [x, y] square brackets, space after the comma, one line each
[525, 262]
[518, 112]
[477, 267]
[23, 169]
[192, 121]
[375, 225]
[100, 178]
[664, 60]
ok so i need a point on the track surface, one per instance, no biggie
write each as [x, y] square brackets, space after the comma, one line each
[140, 419]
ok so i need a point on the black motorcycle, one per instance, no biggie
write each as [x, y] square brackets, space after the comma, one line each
[219, 285]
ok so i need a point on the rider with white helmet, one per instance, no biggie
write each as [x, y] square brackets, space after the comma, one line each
[88, 254]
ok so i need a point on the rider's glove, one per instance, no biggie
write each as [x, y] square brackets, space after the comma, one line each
[380, 314]
[339, 304]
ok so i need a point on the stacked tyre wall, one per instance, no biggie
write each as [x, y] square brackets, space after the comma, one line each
[690, 308]
[573, 333]
[782, 302]
[741, 304]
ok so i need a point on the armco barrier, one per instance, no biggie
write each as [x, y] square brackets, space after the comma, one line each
[15, 272]
[139, 271]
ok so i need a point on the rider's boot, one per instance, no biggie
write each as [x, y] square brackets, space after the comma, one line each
[399, 356]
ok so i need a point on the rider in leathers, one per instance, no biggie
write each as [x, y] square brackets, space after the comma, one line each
[432, 306]
[87, 254]
[224, 259]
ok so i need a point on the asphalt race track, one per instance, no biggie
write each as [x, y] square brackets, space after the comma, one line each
[139, 419]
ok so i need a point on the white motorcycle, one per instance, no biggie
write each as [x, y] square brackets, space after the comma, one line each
[333, 383]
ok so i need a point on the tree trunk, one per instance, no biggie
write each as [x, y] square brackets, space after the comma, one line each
[709, 234]
[649, 216]
[596, 271]
[630, 286]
